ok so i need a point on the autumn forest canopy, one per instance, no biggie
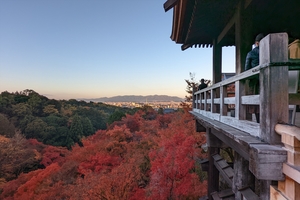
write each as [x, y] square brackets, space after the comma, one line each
[72, 149]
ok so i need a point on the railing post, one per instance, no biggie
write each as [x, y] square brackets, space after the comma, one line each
[212, 104]
[240, 111]
[223, 107]
[273, 82]
[205, 101]
[201, 98]
[197, 103]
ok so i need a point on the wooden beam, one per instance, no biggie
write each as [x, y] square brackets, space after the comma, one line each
[169, 4]
[226, 29]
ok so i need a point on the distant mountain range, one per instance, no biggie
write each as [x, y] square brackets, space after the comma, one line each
[133, 98]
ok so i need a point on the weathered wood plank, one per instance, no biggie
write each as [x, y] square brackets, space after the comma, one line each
[294, 99]
[249, 127]
[229, 100]
[236, 139]
[250, 100]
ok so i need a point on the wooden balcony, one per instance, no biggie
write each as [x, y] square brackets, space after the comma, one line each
[258, 150]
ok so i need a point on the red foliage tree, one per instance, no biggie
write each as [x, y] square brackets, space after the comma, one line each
[53, 154]
[172, 169]
[99, 162]
[145, 156]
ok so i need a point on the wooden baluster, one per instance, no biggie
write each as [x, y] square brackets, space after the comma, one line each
[197, 102]
[212, 96]
[240, 110]
[201, 98]
[223, 107]
[205, 101]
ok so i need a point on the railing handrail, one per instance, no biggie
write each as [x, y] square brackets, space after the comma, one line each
[294, 64]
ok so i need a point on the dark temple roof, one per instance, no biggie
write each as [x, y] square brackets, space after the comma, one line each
[199, 22]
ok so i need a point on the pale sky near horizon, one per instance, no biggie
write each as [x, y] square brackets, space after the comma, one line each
[96, 48]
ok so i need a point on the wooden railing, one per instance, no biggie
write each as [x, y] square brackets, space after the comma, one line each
[214, 102]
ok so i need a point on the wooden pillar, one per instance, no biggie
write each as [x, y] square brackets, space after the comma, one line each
[242, 176]
[217, 62]
[243, 37]
[213, 174]
[273, 85]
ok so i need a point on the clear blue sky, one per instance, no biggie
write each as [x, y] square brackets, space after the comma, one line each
[96, 48]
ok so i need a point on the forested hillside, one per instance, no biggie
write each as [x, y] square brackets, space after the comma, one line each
[144, 155]
[53, 122]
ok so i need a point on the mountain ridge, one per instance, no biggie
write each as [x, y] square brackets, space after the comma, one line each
[136, 98]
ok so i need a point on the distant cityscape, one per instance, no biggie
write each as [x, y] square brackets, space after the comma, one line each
[154, 105]
[168, 103]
